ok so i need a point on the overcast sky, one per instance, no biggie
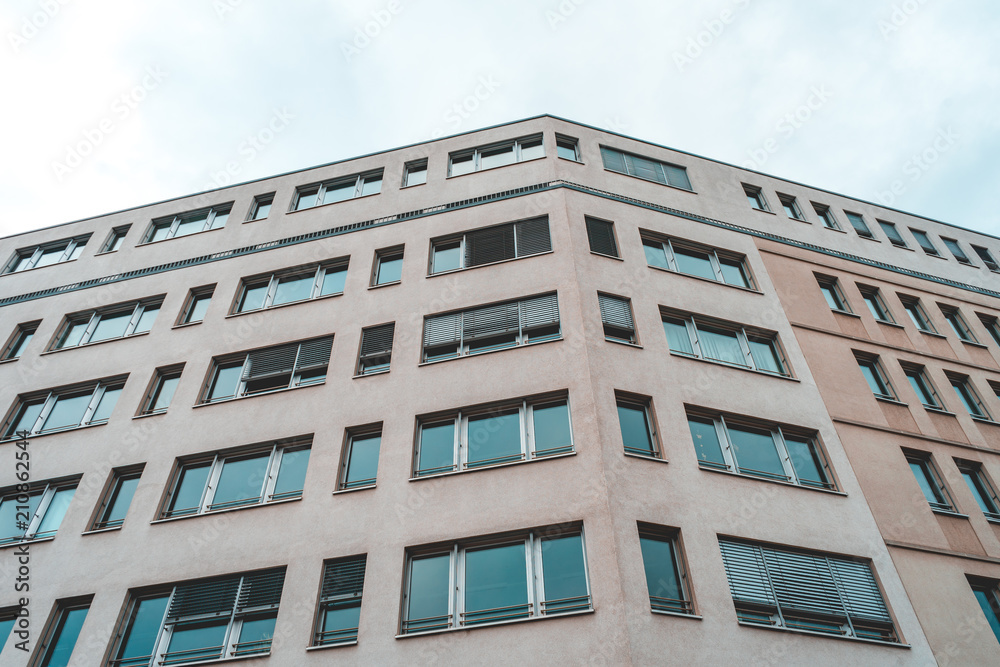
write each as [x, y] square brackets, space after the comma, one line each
[108, 105]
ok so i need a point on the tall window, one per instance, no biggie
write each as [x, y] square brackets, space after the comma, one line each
[956, 250]
[188, 223]
[825, 214]
[859, 224]
[929, 480]
[491, 244]
[601, 235]
[645, 168]
[536, 574]
[56, 252]
[917, 315]
[616, 316]
[493, 327]
[115, 239]
[697, 260]
[261, 207]
[62, 632]
[340, 601]
[806, 590]
[925, 242]
[666, 574]
[64, 408]
[359, 466]
[44, 508]
[291, 285]
[922, 386]
[196, 304]
[874, 374]
[388, 266]
[834, 296]
[117, 497]
[340, 189]
[791, 207]
[892, 233]
[958, 324]
[507, 432]
[635, 418]
[992, 325]
[415, 173]
[724, 342]
[268, 369]
[18, 341]
[988, 596]
[117, 321]
[876, 304]
[981, 487]
[161, 389]
[759, 449]
[755, 196]
[376, 349]
[968, 396]
[568, 148]
[207, 619]
[495, 155]
[987, 257]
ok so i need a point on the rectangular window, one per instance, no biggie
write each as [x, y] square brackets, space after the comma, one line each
[46, 254]
[958, 323]
[968, 396]
[878, 381]
[18, 341]
[956, 250]
[161, 389]
[645, 168]
[834, 296]
[981, 487]
[791, 207]
[697, 260]
[34, 514]
[493, 327]
[491, 244]
[859, 224]
[224, 617]
[359, 464]
[922, 386]
[925, 242]
[117, 497]
[268, 369]
[261, 207]
[237, 478]
[388, 266]
[63, 408]
[62, 631]
[987, 258]
[616, 316]
[917, 315]
[495, 155]
[892, 233]
[568, 148]
[601, 235]
[666, 574]
[507, 432]
[988, 596]
[415, 173]
[755, 196]
[825, 214]
[759, 449]
[188, 223]
[992, 326]
[341, 189]
[529, 575]
[340, 601]
[196, 304]
[8, 617]
[118, 321]
[876, 304]
[291, 285]
[115, 239]
[929, 480]
[376, 349]
[805, 590]
[724, 342]
[635, 418]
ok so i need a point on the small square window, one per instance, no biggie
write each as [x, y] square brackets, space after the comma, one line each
[388, 266]
[115, 239]
[860, 226]
[376, 349]
[568, 148]
[261, 207]
[956, 250]
[891, 233]
[791, 207]
[415, 173]
[117, 497]
[18, 341]
[161, 389]
[666, 572]
[929, 480]
[925, 242]
[825, 214]
[834, 296]
[635, 419]
[756, 197]
[875, 375]
[616, 316]
[601, 234]
[196, 304]
[359, 467]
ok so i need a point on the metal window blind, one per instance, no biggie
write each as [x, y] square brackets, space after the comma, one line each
[261, 589]
[613, 160]
[489, 245]
[616, 312]
[643, 168]
[271, 361]
[314, 353]
[601, 235]
[443, 330]
[344, 577]
[208, 596]
[490, 321]
[533, 236]
[677, 176]
[540, 311]
[377, 341]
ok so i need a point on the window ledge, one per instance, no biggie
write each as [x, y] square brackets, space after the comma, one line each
[640, 178]
[7, 361]
[97, 531]
[901, 247]
[939, 411]
[994, 520]
[834, 229]
[845, 312]
[933, 334]
[36, 268]
[951, 513]
[492, 467]
[705, 280]
[755, 478]
[173, 238]
[501, 166]
[150, 414]
[341, 644]
[479, 266]
[105, 252]
[270, 308]
[647, 457]
[762, 210]
[357, 488]
[480, 354]
[33, 540]
[14, 438]
[407, 187]
[802, 220]
[333, 203]
[984, 420]
[263, 393]
[601, 254]
[894, 325]
[186, 324]
[171, 519]
[974, 343]
[870, 238]
[100, 342]
[823, 634]
[225, 661]
[934, 254]
[488, 625]
[622, 342]
[696, 617]
[570, 160]
[892, 401]
[388, 284]
[368, 375]
[734, 367]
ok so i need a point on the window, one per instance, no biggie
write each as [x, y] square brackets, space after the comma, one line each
[46, 254]
[756, 197]
[804, 590]
[645, 168]
[929, 481]
[115, 239]
[992, 325]
[759, 449]
[376, 349]
[616, 316]
[291, 285]
[62, 631]
[724, 342]
[969, 397]
[34, 514]
[415, 173]
[568, 148]
[922, 386]
[117, 321]
[161, 389]
[494, 327]
[388, 266]
[188, 223]
[63, 408]
[988, 598]
[825, 214]
[697, 260]
[340, 601]
[261, 207]
[341, 189]
[987, 258]
[859, 224]
[835, 298]
[925, 242]
[529, 575]
[875, 375]
[359, 466]
[791, 207]
[892, 233]
[980, 487]
[495, 155]
[917, 315]
[268, 369]
[207, 619]
[196, 305]
[635, 418]
[19, 340]
[8, 617]
[507, 432]
[601, 235]
[237, 478]
[876, 305]
[117, 497]
[958, 324]
[956, 250]
[491, 244]
[666, 576]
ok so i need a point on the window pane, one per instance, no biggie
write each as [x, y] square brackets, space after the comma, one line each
[662, 578]
[263, 210]
[140, 639]
[120, 500]
[984, 500]
[292, 474]
[191, 224]
[566, 150]
[362, 464]
[22, 341]
[983, 597]
[390, 270]
[73, 334]
[635, 429]
[147, 318]
[27, 418]
[337, 620]
[831, 297]
[532, 149]
[920, 389]
[429, 593]
[551, 428]
[64, 638]
[874, 381]
[256, 634]
[462, 164]
[968, 400]
[437, 448]
[227, 380]
[927, 485]
[9, 527]
[198, 307]
[164, 393]
[565, 574]
[333, 281]
[293, 289]
[644, 168]
[160, 232]
[914, 312]
[307, 199]
[447, 256]
[416, 175]
[371, 186]
[55, 512]
[253, 297]
[111, 326]
[197, 641]
[241, 481]
[50, 256]
[107, 404]
[765, 355]
[339, 192]
[497, 157]
[677, 336]
[190, 486]
[721, 345]
[694, 263]
[874, 306]
[655, 255]
[494, 438]
[755, 452]
[805, 461]
[6, 625]
[68, 411]
[706, 442]
[734, 273]
[496, 584]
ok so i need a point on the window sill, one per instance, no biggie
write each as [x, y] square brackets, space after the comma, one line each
[845, 312]
[901, 247]
[893, 401]
[278, 307]
[734, 367]
[341, 644]
[571, 160]
[36, 268]
[934, 254]
[105, 252]
[622, 342]
[451, 473]
[601, 254]
[501, 166]
[802, 220]
[224, 661]
[834, 229]
[974, 343]
[263, 393]
[368, 375]
[640, 178]
[150, 414]
[98, 531]
[951, 513]
[15, 438]
[939, 411]
[479, 266]
[869, 238]
[772, 481]
[994, 520]
[174, 238]
[415, 185]
[480, 354]
[186, 324]
[171, 519]
[333, 203]
[24, 542]
[489, 625]
[822, 634]
[705, 280]
[247, 222]
[762, 210]
[891, 324]
[646, 457]
[933, 334]
[100, 342]
[357, 488]
[984, 420]
[389, 284]
[696, 617]
[7, 361]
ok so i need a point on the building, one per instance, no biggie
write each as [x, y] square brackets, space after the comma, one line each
[538, 392]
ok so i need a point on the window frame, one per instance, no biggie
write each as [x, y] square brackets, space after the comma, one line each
[518, 241]
[476, 154]
[663, 168]
[917, 375]
[48, 398]
[990, 588]
[943, 501]
[992, 325]
[981, 487]
[870, 295]
[568, 143]
[861, 227]
[929, 248]
[987, 258]
[46, 490]
[274, 278]
[956, 251]
[969, 397]
[638, 402]
[339, 598]
[253, 214]
[195, 295]
[743, 334]
[363, 367]
[19, 340]
[831, 285]
[595, 228]
[155, 387]
[953, 316]
[25, 259]
[617, 330]
[361, 180]
[242, 359]
[756, 198]
[101, 519]
[892, 233]
[791, 207]
[826, 216]
[874, 364]
[172, 223]
[351, 435]
[54, 626]
[915, 310]
[414, 167]
[91, 319]
[383, 255]
[669, 245]
[685, 606]
[115, 239]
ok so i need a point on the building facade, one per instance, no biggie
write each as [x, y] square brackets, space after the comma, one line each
[538, 392]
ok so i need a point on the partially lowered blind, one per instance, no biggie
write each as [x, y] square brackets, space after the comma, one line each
[208, 596]
[314, 353]
[492, 244]
[377, 341]
[601, 235]
[261, 589]
[540, 311]
[533, 236]
[443, 330]
[616, 312]
[270, 361]
[344, 578]
[613, 160]
[490, 321]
